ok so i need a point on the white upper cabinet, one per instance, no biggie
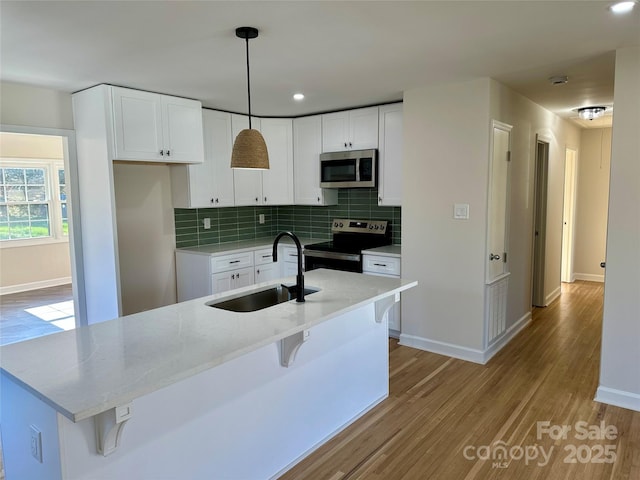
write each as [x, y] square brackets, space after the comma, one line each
[273, 186]
[277, 182]
[156, 128]
[390, 156]
[209, 184]
[247, 183]
[350, 130]
[307, 146]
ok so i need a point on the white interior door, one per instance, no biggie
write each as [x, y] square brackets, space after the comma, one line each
[498, 213]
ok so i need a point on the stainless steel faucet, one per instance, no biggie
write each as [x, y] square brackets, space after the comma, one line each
[300, 275]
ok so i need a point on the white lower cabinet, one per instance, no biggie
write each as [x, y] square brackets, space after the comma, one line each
[289, 260]
[385, 266]
[223, 281]
[265, 268]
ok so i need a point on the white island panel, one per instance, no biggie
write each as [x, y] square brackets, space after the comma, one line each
[247, 418]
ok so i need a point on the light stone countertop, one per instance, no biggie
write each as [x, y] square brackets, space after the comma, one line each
[385, 251]
[87, 371]
[246, 245]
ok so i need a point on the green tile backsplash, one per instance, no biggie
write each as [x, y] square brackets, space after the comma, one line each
[241, 223]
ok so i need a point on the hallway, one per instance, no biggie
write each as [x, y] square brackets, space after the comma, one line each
[528, 413]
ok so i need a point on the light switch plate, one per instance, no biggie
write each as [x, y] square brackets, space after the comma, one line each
[36, 443]
[461, 211]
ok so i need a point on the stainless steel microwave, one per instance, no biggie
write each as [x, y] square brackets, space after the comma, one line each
[353, 168]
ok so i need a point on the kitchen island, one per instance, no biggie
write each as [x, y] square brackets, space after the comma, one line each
[203, 392]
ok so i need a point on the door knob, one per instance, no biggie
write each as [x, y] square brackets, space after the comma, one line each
[494, 257]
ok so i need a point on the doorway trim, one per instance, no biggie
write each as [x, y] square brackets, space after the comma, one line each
[541, 180]
[75, 230]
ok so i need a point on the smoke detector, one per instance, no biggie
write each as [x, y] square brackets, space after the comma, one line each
[558, 79]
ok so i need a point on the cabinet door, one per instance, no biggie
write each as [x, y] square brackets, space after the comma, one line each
[390, 156]
[218, 145]
[182, 130]
[221, 282]
[137, 125]
[363, 128]
[267, 272]
[243, 277]
[307, 145]
[277, 182]
[247, 183]
[335, 130]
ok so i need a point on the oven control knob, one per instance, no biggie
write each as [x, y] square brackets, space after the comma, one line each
[377, 227]
[370, 227]
[335, 224]
[381, 227]
[341, 225]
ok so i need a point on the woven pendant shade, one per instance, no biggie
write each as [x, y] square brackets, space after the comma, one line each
[250, 151]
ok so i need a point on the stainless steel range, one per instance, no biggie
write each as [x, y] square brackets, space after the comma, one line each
[350, 238]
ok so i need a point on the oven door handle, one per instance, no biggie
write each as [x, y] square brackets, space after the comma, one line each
[353, 257]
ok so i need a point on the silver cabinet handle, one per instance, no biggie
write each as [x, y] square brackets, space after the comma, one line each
[162, 153]
[380, 264]
[258, 271]
[256, 199]
[233, 276]
[494, 257]
[168, 153]
[265, 199]
[318, 199]
[266, 256]
[234, 261]
[350, 145]
[345, 144]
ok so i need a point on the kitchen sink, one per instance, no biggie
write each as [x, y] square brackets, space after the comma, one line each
[254, 301]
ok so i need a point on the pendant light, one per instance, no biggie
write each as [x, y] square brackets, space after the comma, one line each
[249, 148]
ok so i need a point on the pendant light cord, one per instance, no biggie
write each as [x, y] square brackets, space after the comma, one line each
[248, 82]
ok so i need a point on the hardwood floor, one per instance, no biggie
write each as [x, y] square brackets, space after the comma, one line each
[17, 324]
[447, 419]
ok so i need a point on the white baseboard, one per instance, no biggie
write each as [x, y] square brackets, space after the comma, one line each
[553, 295]
[442, 348]
[25, 287]
[589, 277]
[618, 398]
[508, 335]
[465, 353]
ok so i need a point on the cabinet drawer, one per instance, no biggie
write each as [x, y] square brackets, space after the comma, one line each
[262, 257]
[231, 262]
[381, 265]
[289, 254]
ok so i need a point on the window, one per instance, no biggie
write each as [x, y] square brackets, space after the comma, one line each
[33, 202]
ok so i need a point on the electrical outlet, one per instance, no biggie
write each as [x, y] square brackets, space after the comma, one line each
[207, 223]
[261, 218]
[36, 443]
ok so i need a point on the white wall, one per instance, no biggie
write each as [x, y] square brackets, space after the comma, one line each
[35, 107]
[446, 145]
[594, 165]
[146, 236]
[446, 161]
[620, 357]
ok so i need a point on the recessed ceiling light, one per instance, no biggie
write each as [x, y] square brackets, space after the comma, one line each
[622, 7]
[298, 96]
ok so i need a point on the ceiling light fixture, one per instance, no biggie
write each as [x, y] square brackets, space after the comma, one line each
[622, 7]
[249, 148]
[298, 96]
[589, 113]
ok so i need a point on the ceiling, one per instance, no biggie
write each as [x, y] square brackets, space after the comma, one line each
[339, 54]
